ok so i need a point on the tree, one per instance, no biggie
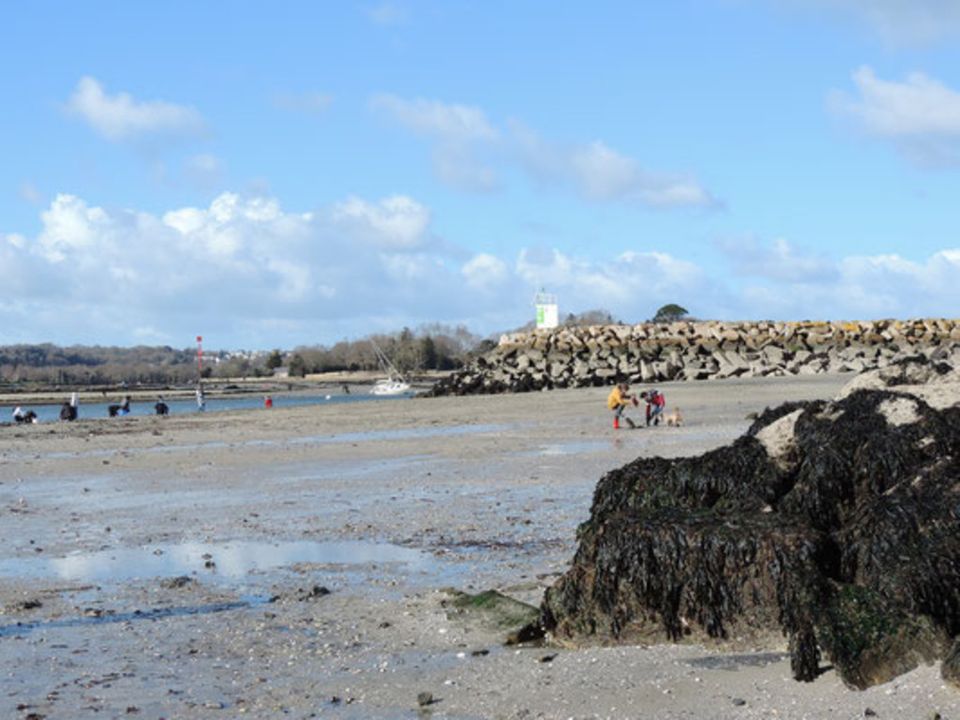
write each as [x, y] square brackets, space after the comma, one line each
[428, 353]
[298, 366]
[670, 313]
[275, 360]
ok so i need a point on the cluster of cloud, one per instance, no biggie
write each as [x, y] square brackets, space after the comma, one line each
[246, 273]
[920, 115]
[467, 147]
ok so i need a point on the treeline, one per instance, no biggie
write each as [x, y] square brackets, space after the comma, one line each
[49, 364]
[431, 347]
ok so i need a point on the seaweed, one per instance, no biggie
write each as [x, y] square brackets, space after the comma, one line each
[851, 550]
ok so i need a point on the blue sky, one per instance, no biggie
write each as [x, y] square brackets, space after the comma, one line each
[307, 172]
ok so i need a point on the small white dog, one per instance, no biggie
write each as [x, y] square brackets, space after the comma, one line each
[675, 419]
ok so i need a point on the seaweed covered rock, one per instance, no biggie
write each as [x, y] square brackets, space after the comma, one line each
[834, 523]
[951, 666]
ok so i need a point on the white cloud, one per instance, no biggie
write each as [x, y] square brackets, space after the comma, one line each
[899, 22]
[396, 222]
[600, 173]
[920, 115]
[446, 121]
[460, 136]
[484, 271]
[68, 226]
[467, 146]
[780, 261]
[918, 106]
[121, 117]
[627, 284]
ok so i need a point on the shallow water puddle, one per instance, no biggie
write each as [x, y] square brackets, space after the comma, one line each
[227, 560]
[22, 628]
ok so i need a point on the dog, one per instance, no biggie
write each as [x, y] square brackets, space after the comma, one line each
[675, 419]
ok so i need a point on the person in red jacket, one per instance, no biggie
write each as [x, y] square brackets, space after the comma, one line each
[656, 402]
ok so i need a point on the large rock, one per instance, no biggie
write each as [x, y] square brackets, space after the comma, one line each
[833, 523]
[951, 666]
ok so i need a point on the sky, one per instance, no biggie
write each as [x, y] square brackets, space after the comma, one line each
[298, 173]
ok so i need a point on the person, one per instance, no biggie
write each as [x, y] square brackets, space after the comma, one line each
[618, 400]
[656, 402]
[68, 411]
[19, 416]
[268, 402]
[201, 400]
[161, 406]
[122, 409]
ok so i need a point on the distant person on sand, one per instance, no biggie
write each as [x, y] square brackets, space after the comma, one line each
[122, 409]
[19, 416]
[161, 406]
[268, 402]
[201, 400]
[656, 402]
[68, 412]
[618, 400]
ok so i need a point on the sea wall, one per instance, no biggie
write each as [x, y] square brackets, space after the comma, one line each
[656, 352]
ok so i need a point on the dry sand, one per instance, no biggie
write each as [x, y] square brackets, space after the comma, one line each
[386, 504]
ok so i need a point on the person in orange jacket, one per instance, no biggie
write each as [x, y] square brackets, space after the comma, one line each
[619, 400]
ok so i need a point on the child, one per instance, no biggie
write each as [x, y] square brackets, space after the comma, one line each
[656, 402]
[618, 400]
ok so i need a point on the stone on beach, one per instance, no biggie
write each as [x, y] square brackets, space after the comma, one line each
[834, 523]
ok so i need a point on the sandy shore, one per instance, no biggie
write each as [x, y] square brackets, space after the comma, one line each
[385, 504]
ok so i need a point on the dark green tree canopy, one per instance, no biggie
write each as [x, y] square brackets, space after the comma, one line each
[275, 360]
[671, 313]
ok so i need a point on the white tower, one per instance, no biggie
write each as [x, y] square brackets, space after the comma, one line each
[547, 314]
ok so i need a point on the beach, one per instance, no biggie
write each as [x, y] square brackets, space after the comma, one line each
[304, 562]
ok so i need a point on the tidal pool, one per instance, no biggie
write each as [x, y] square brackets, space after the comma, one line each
[230, 561]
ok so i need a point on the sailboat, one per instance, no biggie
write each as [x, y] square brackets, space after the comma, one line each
[394, 383]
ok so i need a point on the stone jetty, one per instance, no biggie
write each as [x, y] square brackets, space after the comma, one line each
[583, 356]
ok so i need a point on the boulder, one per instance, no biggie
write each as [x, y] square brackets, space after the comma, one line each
[951, 665]
[833, 523]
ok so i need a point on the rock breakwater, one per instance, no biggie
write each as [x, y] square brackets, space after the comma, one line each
[651, 352]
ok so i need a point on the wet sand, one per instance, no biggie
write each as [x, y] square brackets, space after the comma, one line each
[178, 567]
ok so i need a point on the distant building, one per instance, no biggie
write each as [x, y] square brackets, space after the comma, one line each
[281, 372]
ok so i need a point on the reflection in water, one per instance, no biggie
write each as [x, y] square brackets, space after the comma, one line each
[230, 560]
